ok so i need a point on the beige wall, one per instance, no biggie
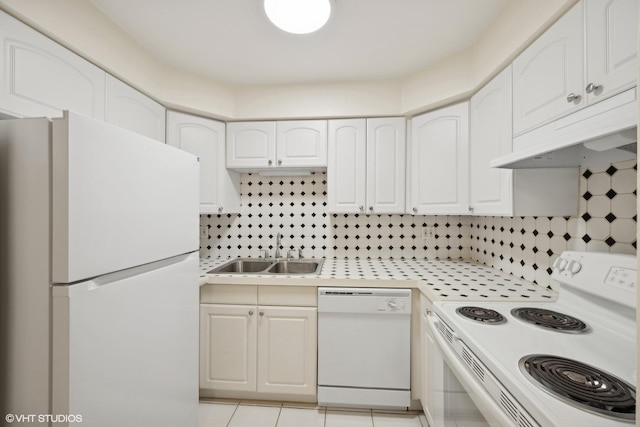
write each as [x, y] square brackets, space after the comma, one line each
[83, 28]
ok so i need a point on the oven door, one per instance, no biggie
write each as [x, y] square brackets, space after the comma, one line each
[452, 393]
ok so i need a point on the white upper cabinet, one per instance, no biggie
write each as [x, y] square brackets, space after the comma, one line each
[386, 157]
[205, 138]
[256, 146]
[589, 55]
[611, 40]
[301, 143]
[130, 109]
[251, 144]
[490, 138]
[41, 78]
[548, 76]
[347, 166]
[439, 178]
[366, 170]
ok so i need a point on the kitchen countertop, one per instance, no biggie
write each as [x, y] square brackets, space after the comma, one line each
[437, 279]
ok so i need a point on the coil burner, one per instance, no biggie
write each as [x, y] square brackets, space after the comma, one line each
[581, 385]
[551, 320]
[482, 315]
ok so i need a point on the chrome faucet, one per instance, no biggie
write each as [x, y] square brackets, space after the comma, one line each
[278, 237]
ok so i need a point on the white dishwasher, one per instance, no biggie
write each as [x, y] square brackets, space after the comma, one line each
[364, 347]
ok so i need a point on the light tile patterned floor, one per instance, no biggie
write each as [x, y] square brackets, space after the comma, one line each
[248, 414]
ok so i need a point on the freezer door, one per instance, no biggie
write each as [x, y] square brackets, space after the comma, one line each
[125, 347]
[119, 199]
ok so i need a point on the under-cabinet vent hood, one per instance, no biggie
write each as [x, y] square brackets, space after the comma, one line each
[601, 133]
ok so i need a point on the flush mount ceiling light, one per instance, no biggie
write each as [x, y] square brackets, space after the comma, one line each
[298, 16]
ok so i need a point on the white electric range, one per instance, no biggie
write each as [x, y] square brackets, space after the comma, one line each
[566, 363]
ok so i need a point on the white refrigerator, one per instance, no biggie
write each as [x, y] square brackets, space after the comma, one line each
[98, 276]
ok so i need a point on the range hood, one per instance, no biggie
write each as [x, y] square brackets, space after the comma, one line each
[598, 134]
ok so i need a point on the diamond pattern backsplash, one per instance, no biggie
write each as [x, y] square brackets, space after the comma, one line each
[523, 246]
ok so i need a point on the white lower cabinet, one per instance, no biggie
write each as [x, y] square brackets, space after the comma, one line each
[267, 349]
[427, 340]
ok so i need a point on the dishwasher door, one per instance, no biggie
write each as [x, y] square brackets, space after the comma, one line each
[364, 347]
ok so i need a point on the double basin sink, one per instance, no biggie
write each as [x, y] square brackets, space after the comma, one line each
[263, 266]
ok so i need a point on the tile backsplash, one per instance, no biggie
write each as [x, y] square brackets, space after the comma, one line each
[524, 246]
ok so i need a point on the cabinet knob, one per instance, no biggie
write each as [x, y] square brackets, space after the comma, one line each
[415, 210]
[592, 87]
[572, 97]
[361, 208]
[220, 209]
[261, 313]
[270, 162]
[250, 312]
[279, 162]
[371, 208]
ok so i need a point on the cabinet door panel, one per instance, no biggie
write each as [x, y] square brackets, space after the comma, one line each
[228, 347]
[346, 168]
[302, 143]
[547, 72]
[611, 30]
[251, 144]
[130, 109]
[491, 137]
[41, 78]
[386, 165]
[439, 156]
[205, 138]
[287, 350]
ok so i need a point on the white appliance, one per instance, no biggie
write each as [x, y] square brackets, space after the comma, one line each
[566, 363]
[99, 273]
[364, 347]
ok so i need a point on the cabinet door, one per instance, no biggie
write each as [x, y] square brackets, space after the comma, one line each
[228, 347]
[428, 381]
[41, 78]
[205, 138]
[548, 72]
[346, 167]
[251, 145]
[439, 161]
[287, 355]
[491, 137]
[301, 143]
[386, 145]
[130, 109]
[612, 44]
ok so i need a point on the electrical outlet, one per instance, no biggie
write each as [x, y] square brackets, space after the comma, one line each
[203, 231]
[428, 233]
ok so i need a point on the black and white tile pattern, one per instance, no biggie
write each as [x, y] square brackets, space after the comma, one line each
[527, 246]
[523, 246]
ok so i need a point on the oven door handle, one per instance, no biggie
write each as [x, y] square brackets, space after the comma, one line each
[492, 411]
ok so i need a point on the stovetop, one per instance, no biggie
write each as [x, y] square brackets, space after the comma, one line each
[608, 343]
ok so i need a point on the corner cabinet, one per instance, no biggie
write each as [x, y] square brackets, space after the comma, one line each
[296, 144]
[438, 150]
[130, 109]
[205, 138]
[596, 40]
[366, 168]
[39, 77]
[506, 192]
[258, 342]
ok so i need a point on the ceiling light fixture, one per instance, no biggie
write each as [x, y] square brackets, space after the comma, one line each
[298, 16]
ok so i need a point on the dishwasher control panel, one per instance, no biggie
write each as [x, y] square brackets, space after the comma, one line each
[392, 304]
[364, 300]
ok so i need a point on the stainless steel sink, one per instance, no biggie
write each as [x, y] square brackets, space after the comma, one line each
[296, 267]
[269, 267]
[242, 266]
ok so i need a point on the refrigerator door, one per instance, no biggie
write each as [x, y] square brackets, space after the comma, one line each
[119, 199]
[125, 347]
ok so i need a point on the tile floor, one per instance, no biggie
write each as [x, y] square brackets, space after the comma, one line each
[229, 413]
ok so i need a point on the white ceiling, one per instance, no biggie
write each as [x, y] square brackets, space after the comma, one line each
[232, 41]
